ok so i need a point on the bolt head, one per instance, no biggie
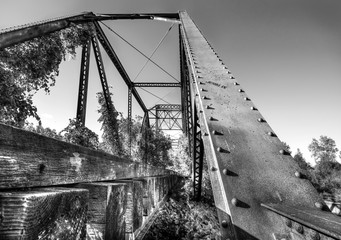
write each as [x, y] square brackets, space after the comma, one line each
[224, 224]
[298, 174]
[298, 228]
[319, 205]
[234, 201]
[288, 222]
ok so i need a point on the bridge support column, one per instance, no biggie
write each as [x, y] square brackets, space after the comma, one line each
[83, 84]
[106, 210]
[43, 213]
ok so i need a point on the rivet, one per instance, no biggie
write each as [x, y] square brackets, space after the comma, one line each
[196, 67]
[199, 76]
[231, 77]
[298, 174]
[211, 118]
[200, 111]
[228, 72]
[234, 201]
[313, 235]
[203, 90]
[213, 169]
[288, 222]
[260, 119]
[225, 171]
[208, 107]
[215, 132]
[196, 93]
[219, 149]
[253, 108]
[235, 83]
[227, 68]
[247, 99]
[271, 134]
[318, 205]
[298, 228]
[224, 224]
[198, 71]
[200, 82]
[204, 97]
[240, 90]
[282, 151]
[205, 134]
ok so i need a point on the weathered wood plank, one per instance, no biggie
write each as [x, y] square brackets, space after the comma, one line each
[28, 159]
[106, 212]
[43, 213]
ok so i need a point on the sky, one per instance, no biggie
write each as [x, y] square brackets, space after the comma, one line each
[285, 53]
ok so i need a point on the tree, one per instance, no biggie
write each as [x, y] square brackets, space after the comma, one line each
[77, 134]
[323, 149]
[110, 137]
[48, 132]
[302, 163]
[33, 65]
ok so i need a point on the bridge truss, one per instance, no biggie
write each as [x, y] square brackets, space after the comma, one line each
[259, 190]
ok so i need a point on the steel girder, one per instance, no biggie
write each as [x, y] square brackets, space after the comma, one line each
[129, 117]
[156, 84]
[15, 35]
[198, 156]
[186, 96]
[167, 116]
[83, 84]
[255, 181]
[116, 61]
[102, 74]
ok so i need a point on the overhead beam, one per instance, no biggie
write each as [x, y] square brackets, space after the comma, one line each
[136, 16]
[12, 36]
[116, 61]
[156, 84]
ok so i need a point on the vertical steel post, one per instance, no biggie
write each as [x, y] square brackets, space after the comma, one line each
[198, 156]
[83, 84]
[129, 117]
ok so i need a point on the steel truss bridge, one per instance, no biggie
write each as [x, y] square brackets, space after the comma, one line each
[259, 191]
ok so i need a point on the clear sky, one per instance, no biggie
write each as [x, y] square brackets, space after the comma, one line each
[285, 53]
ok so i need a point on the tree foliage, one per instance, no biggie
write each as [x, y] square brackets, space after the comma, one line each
[77, 134]
[111, 141]
[323, 150]
[33, 65]
[48, 132]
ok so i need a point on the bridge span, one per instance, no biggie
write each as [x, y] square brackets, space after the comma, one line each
[49, 187]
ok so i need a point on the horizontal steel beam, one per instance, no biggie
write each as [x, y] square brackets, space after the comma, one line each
[167, 107]
[156, 84]
[136, 16]
[15, 35]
